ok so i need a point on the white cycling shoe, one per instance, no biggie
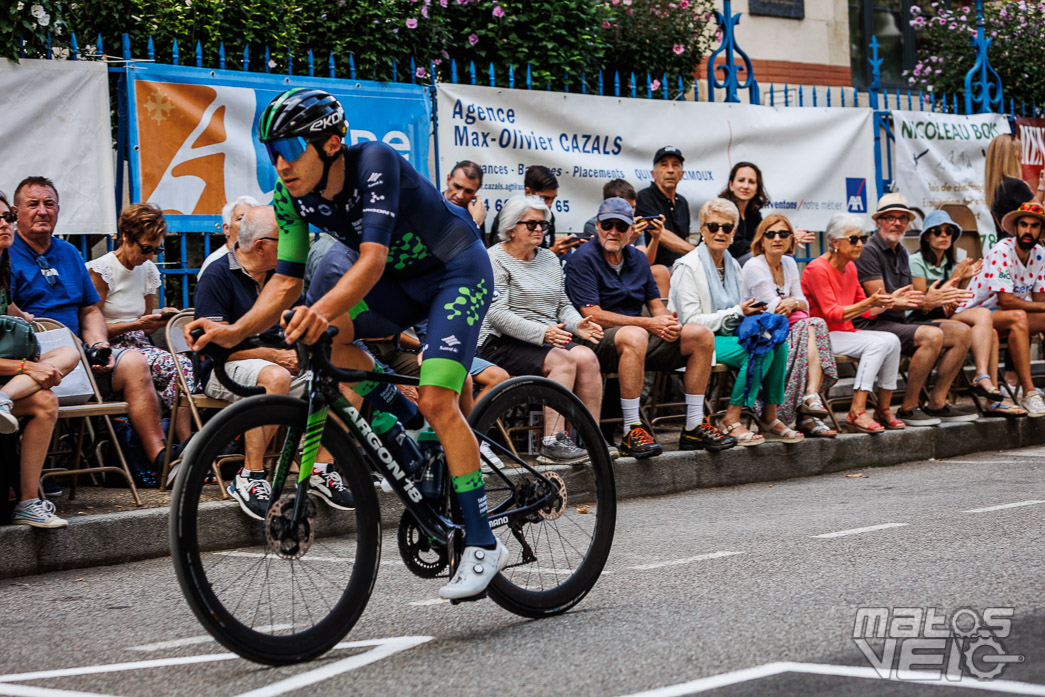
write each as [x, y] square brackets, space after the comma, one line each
[477, 568]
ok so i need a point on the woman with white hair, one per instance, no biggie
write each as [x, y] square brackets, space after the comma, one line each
[530, 326]
[834, 293]
[705, 289]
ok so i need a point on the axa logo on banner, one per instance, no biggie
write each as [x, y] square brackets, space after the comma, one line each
[856, 194]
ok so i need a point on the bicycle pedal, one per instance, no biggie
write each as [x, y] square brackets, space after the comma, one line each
[458, 601]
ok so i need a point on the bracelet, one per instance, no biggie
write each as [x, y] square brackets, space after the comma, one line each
[21, 367]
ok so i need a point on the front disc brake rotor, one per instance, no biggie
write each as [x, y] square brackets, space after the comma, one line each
[278, 535]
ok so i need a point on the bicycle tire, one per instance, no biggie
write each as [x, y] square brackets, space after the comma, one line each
[593, 482]
[217, 582]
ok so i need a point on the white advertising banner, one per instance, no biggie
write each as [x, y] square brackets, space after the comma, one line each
[56, 124]
[940, 160]
[816, 162]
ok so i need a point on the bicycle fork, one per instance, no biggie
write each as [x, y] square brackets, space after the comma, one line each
[313, 435]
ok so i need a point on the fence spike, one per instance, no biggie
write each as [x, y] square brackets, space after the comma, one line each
[649, 87]
[49, 45]
[98, 44]
[841, 91]
[632, 85]
[1012, 106]
[290, 63]
[493, 76]
[600, 83]
[682, 89]
[221, 55]
[616, 84]
[268, 59]
[174, 52]
[150, 48]
[772, 94]
[566, 81]
[21, 47]
[813, 88]
[856, 97]
[787, 96]
[471, 71]
[511, 77]
[529, 76]
[330, 63]
[664, 84]
[199, 55]
[352, 67]
[246, 57]
[955, 103]
[74, 50]
[828, 96]
[584, 83]
[932, 100]
[309, 60]
[910, 106]
[1023, 107]
[395, 72]
[921, 100]
[413, 70]
[125, 45]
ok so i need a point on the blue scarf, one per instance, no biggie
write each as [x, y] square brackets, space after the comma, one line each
[723, 295]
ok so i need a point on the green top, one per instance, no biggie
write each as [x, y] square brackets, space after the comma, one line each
[920, 268]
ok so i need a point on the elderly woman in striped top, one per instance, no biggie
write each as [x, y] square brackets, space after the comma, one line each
[531, 325]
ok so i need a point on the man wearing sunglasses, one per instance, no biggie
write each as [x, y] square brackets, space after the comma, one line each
[885, 266]
[420, 257]
[49, 279]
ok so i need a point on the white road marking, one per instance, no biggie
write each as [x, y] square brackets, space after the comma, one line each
[770, 669]
[1003, 507]
[261, 555]
[115, 667]
[857, 531]
[430, 601]
[30, 691]
[688, 560]
[201, 639]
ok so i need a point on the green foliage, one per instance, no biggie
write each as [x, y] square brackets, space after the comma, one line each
[33, 21]
[945, 53]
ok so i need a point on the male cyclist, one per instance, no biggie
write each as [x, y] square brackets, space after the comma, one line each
[419, 257]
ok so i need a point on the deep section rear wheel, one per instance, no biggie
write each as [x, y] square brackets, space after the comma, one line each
[270, 593]
[558, 552]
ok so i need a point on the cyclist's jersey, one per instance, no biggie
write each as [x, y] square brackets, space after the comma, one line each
[384, 200]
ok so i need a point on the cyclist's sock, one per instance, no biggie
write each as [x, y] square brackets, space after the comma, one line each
[386, 397]
[471, 495]
[630, 412]
[694, 410]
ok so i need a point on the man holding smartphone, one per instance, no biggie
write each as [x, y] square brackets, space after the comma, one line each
[661, 198]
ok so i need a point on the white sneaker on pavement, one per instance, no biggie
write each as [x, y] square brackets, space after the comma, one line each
[1034, 405]
[477, 568]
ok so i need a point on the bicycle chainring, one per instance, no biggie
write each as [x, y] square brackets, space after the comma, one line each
[421, 555]
[278, 535]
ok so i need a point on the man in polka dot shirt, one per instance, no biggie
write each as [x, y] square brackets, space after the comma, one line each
[1012, 284]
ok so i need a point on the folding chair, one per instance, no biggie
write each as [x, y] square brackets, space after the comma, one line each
[829, 401]
[174, 333]
[95, 407]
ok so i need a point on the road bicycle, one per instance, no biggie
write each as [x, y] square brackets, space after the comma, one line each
[289, 588]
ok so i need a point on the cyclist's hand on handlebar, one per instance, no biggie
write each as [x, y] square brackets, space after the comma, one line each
[306, 326]
[220, 334]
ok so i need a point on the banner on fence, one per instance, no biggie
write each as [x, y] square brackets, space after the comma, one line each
[192, 133]
[56, 125]
[816, 162]
[1031, 132]
[940, 160]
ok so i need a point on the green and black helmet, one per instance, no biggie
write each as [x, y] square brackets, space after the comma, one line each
[308, 113]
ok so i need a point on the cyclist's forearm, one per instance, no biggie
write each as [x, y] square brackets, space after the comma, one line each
[278, 295]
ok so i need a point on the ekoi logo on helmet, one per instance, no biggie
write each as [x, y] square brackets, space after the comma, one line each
[328, 120]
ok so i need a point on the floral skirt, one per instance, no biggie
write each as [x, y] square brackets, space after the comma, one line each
[161, 365]
[798, 364]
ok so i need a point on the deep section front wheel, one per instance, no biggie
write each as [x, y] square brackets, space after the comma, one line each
[270, 591]
[549, 451]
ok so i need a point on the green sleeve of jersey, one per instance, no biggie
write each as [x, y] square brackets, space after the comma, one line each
[293, 235]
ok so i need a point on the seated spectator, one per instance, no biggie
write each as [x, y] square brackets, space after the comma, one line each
[611, 282]
[772, 276]
[483, 376]
[462, 188]
[49, 279]
[622, 189]
[661, 198]
[530, 325]
[541, 182]
[884, 265]
[231, 217]
[748, 191]
[1004, 189]
[127, 280]
[940, 262]
[706, 291]
[1010, 283]
[832, 287]
[226, 292]
[25, 392]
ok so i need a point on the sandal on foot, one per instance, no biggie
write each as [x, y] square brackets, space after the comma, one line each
[980, 391]
[1004, 409]
[747, 438]
[891, 423]
[852, 427]
[812, 406]
[815, 428]
[784, 435]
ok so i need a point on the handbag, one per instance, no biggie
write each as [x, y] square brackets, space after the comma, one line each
[17, 339]
[758, 335]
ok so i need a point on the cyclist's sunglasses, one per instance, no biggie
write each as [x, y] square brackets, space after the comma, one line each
[290, 149]
[608, 225]
[532, 225]
[714, 227]
[149, 249]
[776, 234]
[8, 217]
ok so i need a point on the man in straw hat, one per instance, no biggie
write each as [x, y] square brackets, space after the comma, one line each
[885, 266]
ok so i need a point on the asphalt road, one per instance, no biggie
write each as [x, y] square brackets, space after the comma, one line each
[751, 590]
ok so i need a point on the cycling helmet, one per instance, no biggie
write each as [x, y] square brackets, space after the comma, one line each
[300, 116]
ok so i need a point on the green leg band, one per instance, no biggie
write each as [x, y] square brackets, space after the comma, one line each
[443, 372]
[467, 482]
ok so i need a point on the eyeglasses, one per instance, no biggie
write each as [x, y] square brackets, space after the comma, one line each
[618, 225]
[8, 217]
[290, 149]
[894, 219]
[149, 249]
[776, 234]
[274, 239]
[532, 225]
[45, 266]
[940, 231]
[853, 239]
[725, 227]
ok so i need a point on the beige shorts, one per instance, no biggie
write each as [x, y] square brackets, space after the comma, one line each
[246, 372]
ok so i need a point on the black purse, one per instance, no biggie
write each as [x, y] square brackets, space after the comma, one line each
[18, 340]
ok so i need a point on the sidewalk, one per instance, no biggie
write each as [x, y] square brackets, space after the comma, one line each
[110, 529]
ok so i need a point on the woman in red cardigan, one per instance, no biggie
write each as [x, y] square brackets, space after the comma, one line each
[834, 293]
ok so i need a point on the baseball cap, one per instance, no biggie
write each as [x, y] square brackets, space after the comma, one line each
[616, 208]
[665, 152]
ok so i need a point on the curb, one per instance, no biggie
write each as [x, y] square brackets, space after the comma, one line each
[142, 534]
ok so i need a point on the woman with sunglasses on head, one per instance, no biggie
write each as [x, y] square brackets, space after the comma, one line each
[833, 290]
[938, 261]
[706, 289]
[25, 392]
[772, 276]
[127, 281]
[747, 191]
[531, 324]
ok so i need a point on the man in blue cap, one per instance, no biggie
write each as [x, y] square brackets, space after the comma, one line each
[610, 281]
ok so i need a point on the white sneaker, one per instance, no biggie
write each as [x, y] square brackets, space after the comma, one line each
[1034, 405]
[477, 568]
[39, 514]
[8, 421]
